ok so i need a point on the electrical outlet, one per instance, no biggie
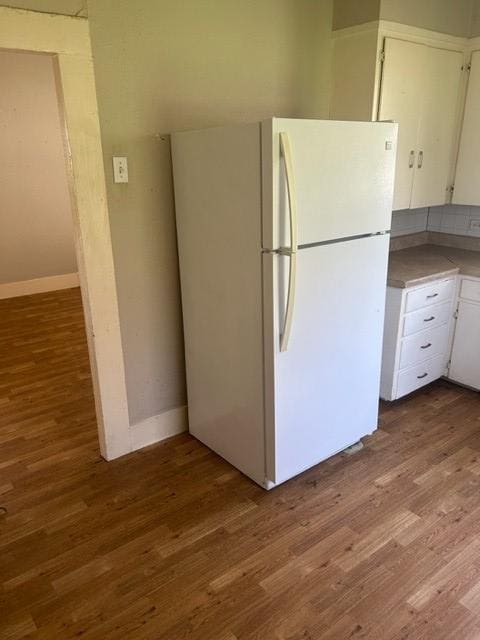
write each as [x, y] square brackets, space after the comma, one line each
[120, 170]
[475, 225]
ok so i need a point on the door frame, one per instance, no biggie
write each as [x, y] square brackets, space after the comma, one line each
[66, 39]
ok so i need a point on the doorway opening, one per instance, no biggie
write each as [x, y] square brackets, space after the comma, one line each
[66, 41]
[46, 392]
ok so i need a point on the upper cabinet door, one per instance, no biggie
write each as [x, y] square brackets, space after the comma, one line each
[420, 90]
[467, 179]
[438, 109]
[402, 80]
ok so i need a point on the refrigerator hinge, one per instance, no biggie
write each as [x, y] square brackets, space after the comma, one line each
[286, 251]
[283, 251]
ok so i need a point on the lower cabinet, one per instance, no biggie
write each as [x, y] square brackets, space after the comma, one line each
[417, 336]
[431, 331]
[465, 359]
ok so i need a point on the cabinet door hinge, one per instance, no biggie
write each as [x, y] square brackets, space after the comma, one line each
[466, 67]
[382, 56]
[455, 314]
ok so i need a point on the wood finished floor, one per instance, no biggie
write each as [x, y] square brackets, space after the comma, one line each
[173, 543]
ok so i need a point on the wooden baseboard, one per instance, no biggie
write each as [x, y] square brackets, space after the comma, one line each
[157, 428]
[39, 285]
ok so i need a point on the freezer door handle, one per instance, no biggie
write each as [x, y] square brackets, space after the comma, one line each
[291, 251]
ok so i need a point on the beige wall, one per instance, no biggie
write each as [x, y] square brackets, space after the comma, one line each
[36, 228]
[66, 7]
[170, 65]
[475, 28]
[446, 16]
[347, 13]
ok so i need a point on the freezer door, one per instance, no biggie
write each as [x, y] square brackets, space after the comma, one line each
[343, 172]
[322, 393]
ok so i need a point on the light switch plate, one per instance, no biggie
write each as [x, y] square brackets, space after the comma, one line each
[120, 169]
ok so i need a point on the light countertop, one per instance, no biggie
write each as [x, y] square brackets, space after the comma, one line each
[422, 264]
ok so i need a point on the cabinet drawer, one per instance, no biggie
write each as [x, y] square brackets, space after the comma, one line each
[439, 291]
[470, 290]
[420, 375]
[423, 346]
[427, 318]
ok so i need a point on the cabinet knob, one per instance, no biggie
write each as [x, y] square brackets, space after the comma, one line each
[426, 346]
[429, 319]
[424, 375]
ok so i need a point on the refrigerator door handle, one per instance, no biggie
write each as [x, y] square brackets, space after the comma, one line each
[291, 251]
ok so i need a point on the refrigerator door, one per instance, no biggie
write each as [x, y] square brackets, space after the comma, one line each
[344, 175]
[322, 393]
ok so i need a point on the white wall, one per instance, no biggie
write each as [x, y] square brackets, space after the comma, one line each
[36, 228]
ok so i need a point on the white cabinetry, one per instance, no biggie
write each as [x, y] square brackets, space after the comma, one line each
[467, 179]
[465, 360]
[400, 101]
[438, 126]
[416, 344]
[415, 81]
[420, 90]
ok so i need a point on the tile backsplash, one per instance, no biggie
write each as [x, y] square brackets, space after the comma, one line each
[454, 218]
[409, 221]
[451, 218]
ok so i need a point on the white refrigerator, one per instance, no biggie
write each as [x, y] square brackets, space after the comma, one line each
[283, 239]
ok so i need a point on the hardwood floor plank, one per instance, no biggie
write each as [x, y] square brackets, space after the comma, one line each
[172, 543]
[463, 568]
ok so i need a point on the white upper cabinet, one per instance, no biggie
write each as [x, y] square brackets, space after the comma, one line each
[438, 126]
[402, 81]
[467, 179]
[389, 71]
[420, 89]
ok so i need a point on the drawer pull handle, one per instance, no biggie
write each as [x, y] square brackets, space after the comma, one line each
[433, 295]
[424, 375]
[426, 346]
[429, 319]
